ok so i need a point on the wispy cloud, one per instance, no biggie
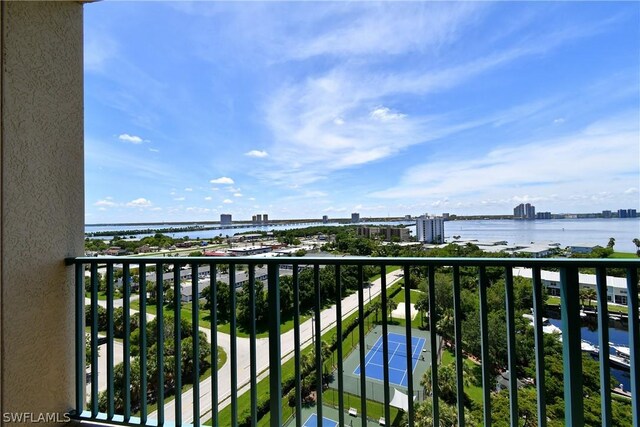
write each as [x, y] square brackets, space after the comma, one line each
[256, 153]
[134, 139]
[551, 166]
[227, 201]
[106, 202]
[222, 180]
[140, 203]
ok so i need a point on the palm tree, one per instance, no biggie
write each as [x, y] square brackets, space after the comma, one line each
[636, 242]
[422, 305]
[611, 243]
[392, 305]
[375, 306]
[444, 326]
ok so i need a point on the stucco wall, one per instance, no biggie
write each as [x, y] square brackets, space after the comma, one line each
[42, 199]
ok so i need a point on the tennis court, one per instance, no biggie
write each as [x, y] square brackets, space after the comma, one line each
[312, 421]
[374, 360]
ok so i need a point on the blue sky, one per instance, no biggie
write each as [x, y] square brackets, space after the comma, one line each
[301, 110]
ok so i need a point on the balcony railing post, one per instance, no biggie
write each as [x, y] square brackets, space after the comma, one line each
[484, 348]
[361, 333]
[511, 347]
[339, 348]
[457, 319]
[195, 320]
[252, 345]
[142, 293]
[634, 342]
[409, 343]
[318, 343]
[213, 300]
[571, 351]
[539, 347]
[385, 344]
[80, 338]
[433, 343]
[603, 336]
[275, 358]
[296, 337]
[160, 339]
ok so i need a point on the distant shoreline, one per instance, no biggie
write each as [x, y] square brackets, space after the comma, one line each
[348, 220]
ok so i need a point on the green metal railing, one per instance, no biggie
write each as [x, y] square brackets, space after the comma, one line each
[89, 407]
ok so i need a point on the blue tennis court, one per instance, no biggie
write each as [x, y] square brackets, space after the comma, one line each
[374, 361]
[312, 421]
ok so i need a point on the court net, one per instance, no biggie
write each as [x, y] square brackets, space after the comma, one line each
[394, 351]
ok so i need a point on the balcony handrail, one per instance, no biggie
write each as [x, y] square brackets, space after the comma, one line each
[569, 285]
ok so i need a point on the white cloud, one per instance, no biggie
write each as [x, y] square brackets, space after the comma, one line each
[188, 189]
[154, 150]
[222, 180]
[256, 153]
[139, 203]
[631, 190]
[252, 198]
[384, 114]
[237, 194]
[559, 120]
[338, 121]
[134, 139]
[179, 199]
[208, 198]
[227, 201]
[106, 202]
[544, 168]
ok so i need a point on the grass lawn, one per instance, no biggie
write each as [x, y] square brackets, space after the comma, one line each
[474, 391]
[375, 410]
[613, 308]
[288, 371]
[623, 255]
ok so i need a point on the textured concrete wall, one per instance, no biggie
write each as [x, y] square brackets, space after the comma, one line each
[42, 202]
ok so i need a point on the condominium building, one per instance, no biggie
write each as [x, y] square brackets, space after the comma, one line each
[430, 229]
[355, 217]
[225, 219]
[523, 211]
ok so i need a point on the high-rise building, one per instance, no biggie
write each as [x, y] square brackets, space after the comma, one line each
[445, 215]
[225, 219]
[265, 218]
[355, 217]
[258, 219]
[430, 229]
[254, 219]
[543, 215]
[325, 219]
[606, 214]
[518, 212]
[523, 211]
[631, 213]
[622, 213]
[530, 211]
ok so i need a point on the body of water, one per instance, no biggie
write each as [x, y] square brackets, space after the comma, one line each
[617, 336]
[563, 231]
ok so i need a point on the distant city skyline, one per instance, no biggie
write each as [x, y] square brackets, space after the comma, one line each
[301, 110]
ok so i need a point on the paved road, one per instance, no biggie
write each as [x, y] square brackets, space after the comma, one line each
[328, 319]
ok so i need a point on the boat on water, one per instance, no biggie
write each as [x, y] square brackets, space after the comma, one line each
[547, 327]
[587, 347]
[622, 357]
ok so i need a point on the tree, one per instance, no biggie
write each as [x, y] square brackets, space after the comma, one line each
[611, 243]
[636, 242]
[392, 305]
[375, 307]
[422, 305]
